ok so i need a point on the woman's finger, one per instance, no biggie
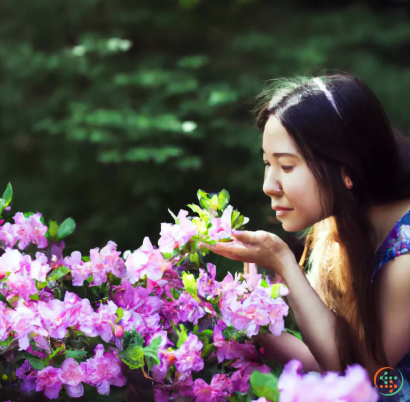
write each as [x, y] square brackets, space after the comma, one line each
[245, 236]
[238, 250]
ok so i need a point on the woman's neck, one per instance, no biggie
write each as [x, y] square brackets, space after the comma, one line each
[384, 217]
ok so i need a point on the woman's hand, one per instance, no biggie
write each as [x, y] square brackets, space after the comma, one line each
[260, 247]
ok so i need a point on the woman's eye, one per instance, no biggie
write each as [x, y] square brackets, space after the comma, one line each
[287, 168]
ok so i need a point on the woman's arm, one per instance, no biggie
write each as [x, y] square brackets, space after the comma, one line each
[316, 322]
[286, 347]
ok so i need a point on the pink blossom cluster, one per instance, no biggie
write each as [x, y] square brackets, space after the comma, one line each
[250, 311]
[24, 231]
[101, 371]
[354, 386]
[22, 272]
[101, 263]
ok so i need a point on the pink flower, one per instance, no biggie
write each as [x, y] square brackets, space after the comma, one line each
[218, 390]
[39, 268]
[55, 318]
[24, 320]
[189, 308]
[103, 370]
[106, 320]
[176, 236]
[221, 227]
[355, 386]
[208, 287]
[258, 309]
[240, 378]
[146, 262]
[71, 375]
[230, 349]
[30, 230]
[80, 270]
[21, 286]
[8, 234]
[5, 324]
[48, 380]
[10, 262]
[188, 356]
[87, 319]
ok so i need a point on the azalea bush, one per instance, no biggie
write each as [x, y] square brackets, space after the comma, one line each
[85, 326]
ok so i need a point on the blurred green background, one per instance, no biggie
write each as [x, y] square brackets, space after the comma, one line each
[113, 111]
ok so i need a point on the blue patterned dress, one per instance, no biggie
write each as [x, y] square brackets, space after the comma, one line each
[396, 243]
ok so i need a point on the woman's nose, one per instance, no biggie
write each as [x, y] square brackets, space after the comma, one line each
[271, 186]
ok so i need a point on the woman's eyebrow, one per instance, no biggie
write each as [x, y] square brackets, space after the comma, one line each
[279, 154]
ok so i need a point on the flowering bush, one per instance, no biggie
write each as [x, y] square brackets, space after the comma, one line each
[82, 326]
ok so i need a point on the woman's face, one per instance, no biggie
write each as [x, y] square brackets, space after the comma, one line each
[288, 181]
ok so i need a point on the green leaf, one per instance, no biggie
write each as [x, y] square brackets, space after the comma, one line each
[196, 209]
[182, 335]
[5, 344]
[120, 314]
[223, 200]
[3, 299]
[152, 349]
[55, 353]
[52, 229]
[173, 215]
[133, 356]
[58, 273]
[36, 363]
[190, 284]
[265, 385]
[34, 297]
[75, 354]
[8, 195]
[207, 350]
[2, 205]
[296, 333]
[66, 228]
[264, 282]
[194, 258]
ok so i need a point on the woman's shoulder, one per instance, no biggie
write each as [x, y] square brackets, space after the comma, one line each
[395, 244]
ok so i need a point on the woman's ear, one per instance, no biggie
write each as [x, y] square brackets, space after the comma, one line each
[347, 180]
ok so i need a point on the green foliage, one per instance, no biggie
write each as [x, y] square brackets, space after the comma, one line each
[189, 282]
[58, 273]
[265, 384]
[65, 229]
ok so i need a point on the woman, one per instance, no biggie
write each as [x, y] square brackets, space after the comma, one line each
[333, 161]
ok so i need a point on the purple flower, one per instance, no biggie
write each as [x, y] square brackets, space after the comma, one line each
[71, 375]
[103, 370]
[188, 356]
[218, 390]
[240, 378]
[228, 350]
[49, 382]
[189, 308]
[208, 287]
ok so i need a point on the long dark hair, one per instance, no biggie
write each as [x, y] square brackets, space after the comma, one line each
[336, 122]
